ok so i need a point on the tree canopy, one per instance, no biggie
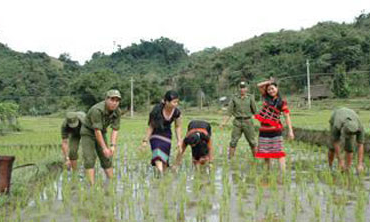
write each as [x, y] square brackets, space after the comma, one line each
[41, 84]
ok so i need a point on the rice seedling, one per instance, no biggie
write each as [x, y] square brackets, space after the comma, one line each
[360, 205]
[317, 211]
[236, 190]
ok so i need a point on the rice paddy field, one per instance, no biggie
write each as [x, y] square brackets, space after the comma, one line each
[240, 189]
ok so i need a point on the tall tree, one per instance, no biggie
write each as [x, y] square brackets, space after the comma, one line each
[340, 85]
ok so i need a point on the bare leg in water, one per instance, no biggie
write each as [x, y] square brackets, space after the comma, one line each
[282, 164]
[268, 163]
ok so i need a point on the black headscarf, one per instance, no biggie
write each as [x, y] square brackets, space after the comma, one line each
[192, 139]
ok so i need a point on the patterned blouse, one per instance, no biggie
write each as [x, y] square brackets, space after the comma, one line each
[271, 110]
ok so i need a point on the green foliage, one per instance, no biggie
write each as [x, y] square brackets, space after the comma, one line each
[42, 85]
[340, 85]
[159, 57]
[8, 109]
[358, 84]
[8, 117]
[91, 87]
[35, 81]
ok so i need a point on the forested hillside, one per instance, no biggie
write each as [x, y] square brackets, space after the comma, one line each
[40, 84]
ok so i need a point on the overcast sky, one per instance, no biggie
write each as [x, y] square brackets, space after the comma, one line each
[82, 27]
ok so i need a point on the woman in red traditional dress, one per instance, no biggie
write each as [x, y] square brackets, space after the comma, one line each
[270, 143]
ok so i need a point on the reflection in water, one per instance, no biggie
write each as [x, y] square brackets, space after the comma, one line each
[238, 190]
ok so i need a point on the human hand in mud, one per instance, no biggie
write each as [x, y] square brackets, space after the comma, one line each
[179, 144]
[211, 158]
[360, 168]
[68, 163]
[144, 144]
[113, 149]
[174, 168]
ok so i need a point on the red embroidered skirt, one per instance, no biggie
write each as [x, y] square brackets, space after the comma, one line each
[270, 142]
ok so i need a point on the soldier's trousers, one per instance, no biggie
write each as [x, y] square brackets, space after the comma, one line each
[246, 127]
[73, 143]
[91, 150]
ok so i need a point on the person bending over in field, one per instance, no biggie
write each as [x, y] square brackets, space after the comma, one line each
[70, 131]
[93, 134]
[199, 138]
[345, 122]
[159, 131]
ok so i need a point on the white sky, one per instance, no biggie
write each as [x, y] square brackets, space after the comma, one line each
[82, 27]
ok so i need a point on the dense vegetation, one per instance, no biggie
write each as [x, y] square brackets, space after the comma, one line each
[40, 84]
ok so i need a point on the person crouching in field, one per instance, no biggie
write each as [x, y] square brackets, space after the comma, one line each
[93, 134]
[70, 131]
[345, 122]
[270, 132]
[159, 131]
[199, 138]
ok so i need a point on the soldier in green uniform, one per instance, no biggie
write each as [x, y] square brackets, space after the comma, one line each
[93, 134]
[242, 107]
[70, 131]
[345, 122]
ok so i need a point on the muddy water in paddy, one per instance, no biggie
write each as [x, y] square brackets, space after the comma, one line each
[238, 190]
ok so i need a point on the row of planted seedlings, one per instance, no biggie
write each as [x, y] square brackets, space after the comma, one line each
[314, 188]
[301, 194]
[240, 190]
[70, 197]
[40, 163]
[136, 193]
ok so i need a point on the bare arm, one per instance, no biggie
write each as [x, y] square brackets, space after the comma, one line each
[113, 140]
[178, 130]
[262, 86]
[148, 133]
[180, 154]
[225, 120]
[65, 148]
[211, 150]
[289, 124]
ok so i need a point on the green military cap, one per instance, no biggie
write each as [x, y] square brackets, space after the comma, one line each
[72, 119]
[113, 93]
[242, 84]
[350, 126]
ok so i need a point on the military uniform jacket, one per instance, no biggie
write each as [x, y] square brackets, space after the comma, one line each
[98, 117]
[242, 107]
[338, 119]
[74, 132]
